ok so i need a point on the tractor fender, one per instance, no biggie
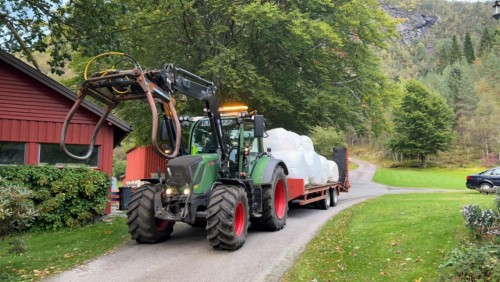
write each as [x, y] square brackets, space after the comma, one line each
[263, 172]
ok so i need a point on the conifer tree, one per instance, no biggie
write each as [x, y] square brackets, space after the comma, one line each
[455, 54]
[468, 48]
[486, 41]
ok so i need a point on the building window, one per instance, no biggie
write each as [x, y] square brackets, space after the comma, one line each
[53, 155]
[12, 153]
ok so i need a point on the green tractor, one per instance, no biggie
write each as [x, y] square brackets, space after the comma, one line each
[221, 178]
[221, 186]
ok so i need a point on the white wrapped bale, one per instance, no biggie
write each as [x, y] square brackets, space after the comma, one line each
[295, 162]
[300, 158]
[314, 170]
[333, 171]
[280, 139]
[306, 144]
[324, 169]
[273, 140]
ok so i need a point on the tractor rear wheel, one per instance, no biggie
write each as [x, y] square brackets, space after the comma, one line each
[228, 217]
[274, 203]
[142, 225]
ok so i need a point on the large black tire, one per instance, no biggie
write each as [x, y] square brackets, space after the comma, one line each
[334, 197]
[274, 203]
[228, 217]
[486, 188]
[142, 225]
[324, 204]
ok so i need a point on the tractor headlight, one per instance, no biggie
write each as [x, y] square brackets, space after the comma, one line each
[186, 191]
[169, 191]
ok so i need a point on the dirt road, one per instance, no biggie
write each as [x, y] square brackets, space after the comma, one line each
[187, 256]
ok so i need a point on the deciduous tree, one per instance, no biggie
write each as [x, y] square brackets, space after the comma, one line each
[423, 123]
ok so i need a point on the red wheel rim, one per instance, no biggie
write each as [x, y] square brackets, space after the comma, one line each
[161, 224]
[239, 219]
[280, 199]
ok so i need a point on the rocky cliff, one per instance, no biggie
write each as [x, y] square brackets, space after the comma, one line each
[414, 24]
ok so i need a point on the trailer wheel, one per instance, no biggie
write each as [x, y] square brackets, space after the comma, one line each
[142, 225]
[334, 197]
[325, 203]
[274, 203]
[228, 217]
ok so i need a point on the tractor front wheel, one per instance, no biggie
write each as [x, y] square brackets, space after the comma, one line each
[142, 224]
[228, 217]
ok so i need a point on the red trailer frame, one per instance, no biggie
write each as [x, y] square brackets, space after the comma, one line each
[297, 190]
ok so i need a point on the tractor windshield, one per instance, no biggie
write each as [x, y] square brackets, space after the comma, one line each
[203, 142]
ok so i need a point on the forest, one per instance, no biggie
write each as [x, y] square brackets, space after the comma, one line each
[458, 58]
[411, 80]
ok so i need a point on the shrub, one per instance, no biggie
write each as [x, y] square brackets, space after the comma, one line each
[63, 197]
[482, 222]
[474, 263]
[478, 263]
[17, 211]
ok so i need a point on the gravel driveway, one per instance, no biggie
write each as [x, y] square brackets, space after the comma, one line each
[187, 256]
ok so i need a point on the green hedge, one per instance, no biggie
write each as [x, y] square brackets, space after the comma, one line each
[17, 211]
[63, 197]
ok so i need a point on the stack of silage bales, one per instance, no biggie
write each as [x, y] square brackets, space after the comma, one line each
[300, 158]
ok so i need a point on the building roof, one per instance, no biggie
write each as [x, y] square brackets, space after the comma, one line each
[121, 128]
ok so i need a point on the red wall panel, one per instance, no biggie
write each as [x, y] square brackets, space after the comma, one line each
[141, 162]
[21, 96]
[33, 113]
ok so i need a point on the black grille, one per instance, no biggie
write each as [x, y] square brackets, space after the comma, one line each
[182, 169]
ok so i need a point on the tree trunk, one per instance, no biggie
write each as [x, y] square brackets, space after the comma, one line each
[423, 164]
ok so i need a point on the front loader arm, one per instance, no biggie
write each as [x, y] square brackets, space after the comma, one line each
[201, 89]
[114, 86]
[108, 89]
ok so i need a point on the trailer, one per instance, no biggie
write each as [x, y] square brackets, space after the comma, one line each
[323, 195]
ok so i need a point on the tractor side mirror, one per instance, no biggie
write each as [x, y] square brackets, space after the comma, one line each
[259, 126]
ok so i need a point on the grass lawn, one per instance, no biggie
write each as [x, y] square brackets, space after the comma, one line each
[442, 178]
[50, 252]
[391, 238]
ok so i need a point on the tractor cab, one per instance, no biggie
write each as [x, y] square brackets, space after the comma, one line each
[239, 137]
[198, 169]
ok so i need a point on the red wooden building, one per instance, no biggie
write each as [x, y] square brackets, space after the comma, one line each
[142, 162]
[32, 111]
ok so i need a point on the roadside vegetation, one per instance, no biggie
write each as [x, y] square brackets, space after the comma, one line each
[392, 238]
[35, 255]
[439, 178]
[353, 166]
[48, 220]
